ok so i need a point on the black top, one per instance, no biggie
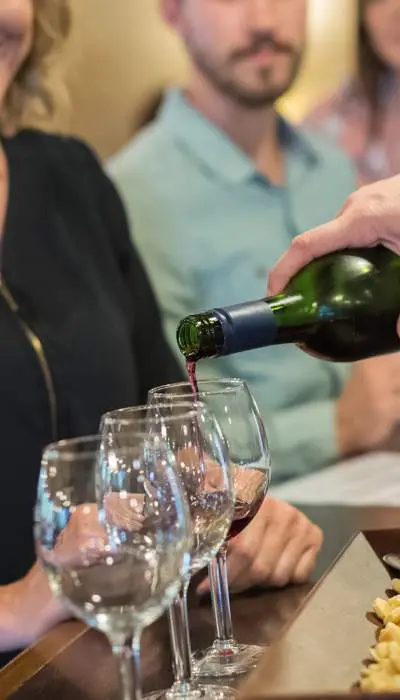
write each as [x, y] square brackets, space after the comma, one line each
[67, 258]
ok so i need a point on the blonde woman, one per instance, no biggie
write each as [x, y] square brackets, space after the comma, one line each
[79, 328]
[363, 115]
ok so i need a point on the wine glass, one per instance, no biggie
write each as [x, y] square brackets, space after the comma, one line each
[194, 437]
[112, 531]
[239, 418]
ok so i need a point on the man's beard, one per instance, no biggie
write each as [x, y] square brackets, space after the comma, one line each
[252, 98]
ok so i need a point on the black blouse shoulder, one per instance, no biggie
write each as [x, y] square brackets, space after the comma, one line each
[69, 159]
[67, 257]
[63, 173]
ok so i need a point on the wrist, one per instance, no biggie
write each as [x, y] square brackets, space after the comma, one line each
[11, 624]
[27, 610]
[42, 607]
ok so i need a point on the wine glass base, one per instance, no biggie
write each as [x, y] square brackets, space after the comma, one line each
[226, 659]
[195, 691]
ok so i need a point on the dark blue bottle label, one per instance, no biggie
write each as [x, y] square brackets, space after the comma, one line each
[247, 326]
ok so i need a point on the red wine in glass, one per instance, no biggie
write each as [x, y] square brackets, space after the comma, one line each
[244, 514]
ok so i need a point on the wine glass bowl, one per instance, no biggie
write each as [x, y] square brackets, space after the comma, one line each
[112, 533]
[201, 463]
[250, 490]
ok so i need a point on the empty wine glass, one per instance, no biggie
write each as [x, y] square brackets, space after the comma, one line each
[239, 418]
[112, 532]
[194, 437]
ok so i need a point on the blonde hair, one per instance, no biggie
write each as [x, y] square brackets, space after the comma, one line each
[33, 89]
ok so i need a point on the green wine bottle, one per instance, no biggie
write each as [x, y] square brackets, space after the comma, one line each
[341, 307]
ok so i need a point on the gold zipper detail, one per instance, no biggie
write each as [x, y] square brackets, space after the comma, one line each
[37, 346]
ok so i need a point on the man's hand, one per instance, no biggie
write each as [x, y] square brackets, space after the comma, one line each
[278, 547]
[369, 407]
[370, 216]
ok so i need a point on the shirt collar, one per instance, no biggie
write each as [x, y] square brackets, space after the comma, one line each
[214, 149]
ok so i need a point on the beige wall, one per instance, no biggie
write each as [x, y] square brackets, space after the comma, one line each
[120, 51]
[330, 53]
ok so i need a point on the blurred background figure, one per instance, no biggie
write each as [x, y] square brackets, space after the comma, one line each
[217, 186]
[120, 54]
[80, 330]
[363, 116]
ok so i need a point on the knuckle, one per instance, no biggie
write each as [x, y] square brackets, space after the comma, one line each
[259, 573]
[317, 536]
[288, 511]
[297, 521]
[295, 516]
[240, 549]
[368, 214]
[352, 199]
[279, 579]
[361, 201]
[302, 522]
[301, 243]
[302, 574]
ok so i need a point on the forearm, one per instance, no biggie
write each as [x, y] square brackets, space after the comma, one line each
[27, 610]
[10, 627]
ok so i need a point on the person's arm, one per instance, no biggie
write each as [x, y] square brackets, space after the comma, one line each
[28, 609]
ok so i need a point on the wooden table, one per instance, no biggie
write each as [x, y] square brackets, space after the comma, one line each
[73, 663]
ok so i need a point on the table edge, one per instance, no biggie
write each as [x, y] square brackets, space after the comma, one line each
[35, 657]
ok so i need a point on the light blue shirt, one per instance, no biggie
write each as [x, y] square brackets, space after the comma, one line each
[208, 227]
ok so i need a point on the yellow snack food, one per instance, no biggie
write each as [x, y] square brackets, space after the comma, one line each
[380, 651]
[381, 608]
[380, 682]
[383, 674]
[393, 602]
[390, 633]
[392, 616]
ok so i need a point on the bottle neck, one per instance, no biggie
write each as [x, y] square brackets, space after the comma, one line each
[246, 326]
[284, 318]
[256, 324]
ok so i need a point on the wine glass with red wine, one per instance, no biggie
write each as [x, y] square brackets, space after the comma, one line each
[237, 413]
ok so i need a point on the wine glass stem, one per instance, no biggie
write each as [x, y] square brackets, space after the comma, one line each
[128, 657]
[180, 641]
[220, 596]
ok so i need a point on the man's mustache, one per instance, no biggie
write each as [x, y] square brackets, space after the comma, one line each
[263, 41]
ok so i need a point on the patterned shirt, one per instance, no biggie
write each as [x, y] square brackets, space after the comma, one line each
[345, 117]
